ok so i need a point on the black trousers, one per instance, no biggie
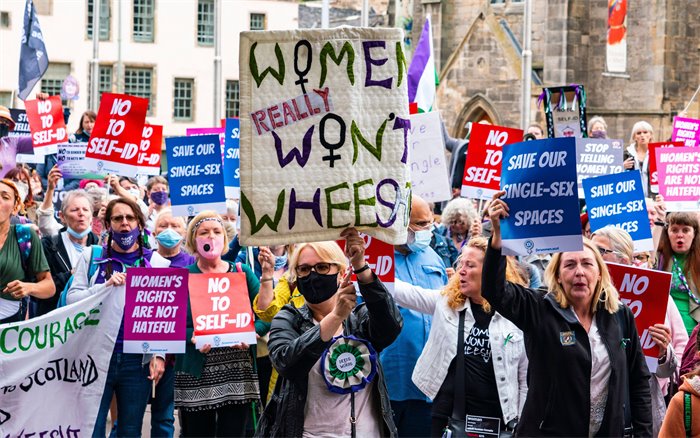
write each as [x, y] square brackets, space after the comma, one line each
[227, 421]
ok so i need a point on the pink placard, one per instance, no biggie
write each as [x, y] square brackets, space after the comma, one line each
[155, 310]
[686, 130]
[679, 177]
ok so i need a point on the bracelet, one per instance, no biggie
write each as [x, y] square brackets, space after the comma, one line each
[263, 280]
[362, 269]
[660, 223]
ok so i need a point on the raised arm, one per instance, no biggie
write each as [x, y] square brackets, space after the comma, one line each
[415, 297]
[519, 304]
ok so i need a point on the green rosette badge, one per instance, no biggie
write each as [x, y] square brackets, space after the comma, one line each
[348, 365]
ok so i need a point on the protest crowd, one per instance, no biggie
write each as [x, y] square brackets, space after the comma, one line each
[464, 334]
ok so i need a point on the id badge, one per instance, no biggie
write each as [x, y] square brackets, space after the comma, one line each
[483, 427]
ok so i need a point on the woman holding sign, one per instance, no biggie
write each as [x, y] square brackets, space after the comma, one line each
[616, 246]
[326, 352]
[127, 377]
[679, 254]
[586, 362]
[215, 387]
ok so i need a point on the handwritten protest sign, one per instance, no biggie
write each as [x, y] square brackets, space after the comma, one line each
[221, 309]
[232, 162]
[618, 200]
[155, 310]
[482, 169]
[653, 172]
[429, 177]
[679, 177]
[70, 161]
[596, 157]
[646, 292]
[47, 124]
[686, 130]
[53, 368]
[115, 139]
[539, 178]
[195, 174]
[148, 158]
[324, 140]
[380, 258]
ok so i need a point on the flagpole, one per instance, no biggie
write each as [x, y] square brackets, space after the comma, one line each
[325, 14]
[691, 100]
[94, 85]
[526, 66]
[365, 13]
[217, 62]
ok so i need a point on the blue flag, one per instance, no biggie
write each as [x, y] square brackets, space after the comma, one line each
[33, 60]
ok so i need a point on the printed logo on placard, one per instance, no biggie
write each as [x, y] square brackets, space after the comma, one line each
[145, 346]
[479, 192]
[529, 245]
[190, 210]
[567, 338]
[217, 341]
[100, 165]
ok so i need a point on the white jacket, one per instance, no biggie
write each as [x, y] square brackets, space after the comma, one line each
[509, 358]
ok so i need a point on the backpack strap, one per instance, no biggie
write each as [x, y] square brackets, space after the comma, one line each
[95, 253]
[625, 334]
[24, 242]
[687, 412]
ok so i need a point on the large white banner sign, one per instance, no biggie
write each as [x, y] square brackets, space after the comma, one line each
[53, 368]
[324, 135]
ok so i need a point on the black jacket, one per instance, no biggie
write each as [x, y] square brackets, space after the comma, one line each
[295, 345]
[59, 264]
[558, 399]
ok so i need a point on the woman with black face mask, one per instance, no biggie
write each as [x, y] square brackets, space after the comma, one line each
[326, 352]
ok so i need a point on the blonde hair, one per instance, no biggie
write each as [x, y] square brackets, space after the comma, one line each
[611, 298]
[328, 252]
[620, 240]
[455, 297]
[191, 242]
[639, 126]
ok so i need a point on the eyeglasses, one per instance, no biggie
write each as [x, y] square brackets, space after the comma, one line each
[320, 268]
[119, 219]
[604, 251]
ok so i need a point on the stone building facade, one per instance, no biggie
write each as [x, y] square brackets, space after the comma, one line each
[478, 50]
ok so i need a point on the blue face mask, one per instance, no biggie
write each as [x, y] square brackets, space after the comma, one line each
[421, 240]
[169, 238]
[76, 234]
[280, 261]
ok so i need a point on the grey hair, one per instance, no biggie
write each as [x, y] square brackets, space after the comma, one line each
[638, 127]
[594, 120]
[620, 240]
[73, 194]
[458, 207]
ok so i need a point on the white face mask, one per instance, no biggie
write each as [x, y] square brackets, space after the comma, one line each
[23, 189]
[135, 192]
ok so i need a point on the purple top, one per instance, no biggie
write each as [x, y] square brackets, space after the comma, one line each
[181, 260]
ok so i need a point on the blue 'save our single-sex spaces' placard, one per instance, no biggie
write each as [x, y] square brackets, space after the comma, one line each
[195, 174]
[539, 178]
[232, 162]
[618, 200]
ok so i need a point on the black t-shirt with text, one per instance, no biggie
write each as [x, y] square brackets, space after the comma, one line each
[481, 393]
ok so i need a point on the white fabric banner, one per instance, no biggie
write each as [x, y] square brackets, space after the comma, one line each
[429, 177]
[53, 368]
[324, 135]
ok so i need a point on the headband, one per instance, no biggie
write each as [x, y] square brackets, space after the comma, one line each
[206, 219]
